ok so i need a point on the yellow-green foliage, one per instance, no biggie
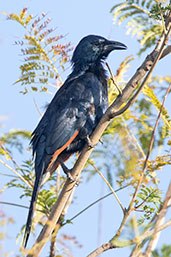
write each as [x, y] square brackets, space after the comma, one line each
[43, 53]
[144, 18]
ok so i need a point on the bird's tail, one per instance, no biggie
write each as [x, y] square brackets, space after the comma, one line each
[38, 180]
[32, 208]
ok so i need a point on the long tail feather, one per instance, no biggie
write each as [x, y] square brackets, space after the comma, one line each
[32, 208]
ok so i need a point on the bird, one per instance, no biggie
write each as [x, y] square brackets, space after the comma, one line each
[73, 113]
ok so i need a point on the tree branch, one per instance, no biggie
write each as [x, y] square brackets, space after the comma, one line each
[120, 244]
[113, 243]
[166, 51]
[111, 112]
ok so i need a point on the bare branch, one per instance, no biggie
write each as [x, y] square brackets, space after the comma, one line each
[37, 108]
[113, 80]
[20, 205]
[166, 51]
[14, 204]
[120, 244]
[98, 200]
[110, 188]
[151, 232]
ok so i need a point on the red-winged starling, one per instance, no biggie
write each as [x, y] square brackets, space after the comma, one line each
[73, 113]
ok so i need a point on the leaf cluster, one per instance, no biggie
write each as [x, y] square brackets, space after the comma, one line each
[145, 19]
[148, 201]
[13, 139]
[43, 53]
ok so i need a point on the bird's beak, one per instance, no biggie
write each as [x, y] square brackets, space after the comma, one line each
[118, 45]
[115, 45]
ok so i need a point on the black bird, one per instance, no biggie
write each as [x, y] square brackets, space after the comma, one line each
[73, 113]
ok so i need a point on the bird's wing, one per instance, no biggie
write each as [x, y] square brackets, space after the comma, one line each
[63, 119]
[63, 130]
[65, 116]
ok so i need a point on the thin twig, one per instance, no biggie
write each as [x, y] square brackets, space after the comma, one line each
[11, 158]
[145, 200]
[133, 139]
[113, 80]
[92, 204]
[37, 108]
[18, 174]
[19, 205]
[151, 232]
[14, 204]
[109, 187]
[166, 51]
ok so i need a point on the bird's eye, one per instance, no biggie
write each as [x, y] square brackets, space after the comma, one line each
[101, 41]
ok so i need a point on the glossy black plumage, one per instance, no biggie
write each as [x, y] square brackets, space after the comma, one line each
[73, 113]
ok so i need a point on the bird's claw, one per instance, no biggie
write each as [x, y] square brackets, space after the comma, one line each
[68, 172]
[89, 143]
[77, 181]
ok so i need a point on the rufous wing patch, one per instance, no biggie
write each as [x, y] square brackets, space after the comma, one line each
[60, 150]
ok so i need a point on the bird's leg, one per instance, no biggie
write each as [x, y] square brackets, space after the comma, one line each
[89, 143]
[65, 169]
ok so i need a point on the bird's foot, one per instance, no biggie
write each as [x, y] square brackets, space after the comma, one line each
[67, 171]
[89, 143]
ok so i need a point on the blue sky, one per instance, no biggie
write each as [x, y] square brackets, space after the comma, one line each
[76, 19]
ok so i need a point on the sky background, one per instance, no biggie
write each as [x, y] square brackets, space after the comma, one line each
[76, 19]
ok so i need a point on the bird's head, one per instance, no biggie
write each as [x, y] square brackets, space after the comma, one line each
[92, 49]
